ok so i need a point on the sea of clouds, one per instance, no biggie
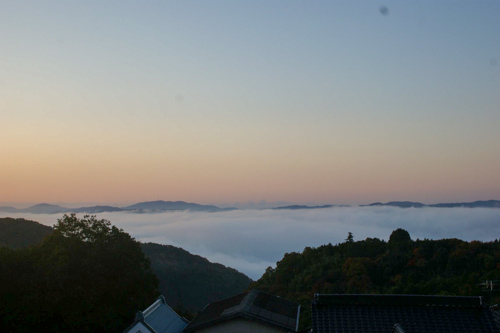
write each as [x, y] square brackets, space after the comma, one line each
[252, 240]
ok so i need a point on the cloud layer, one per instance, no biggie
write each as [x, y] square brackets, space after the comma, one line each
[251, 240]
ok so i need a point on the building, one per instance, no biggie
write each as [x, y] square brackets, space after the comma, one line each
[158, 318]
[253, 311]
[401, 314]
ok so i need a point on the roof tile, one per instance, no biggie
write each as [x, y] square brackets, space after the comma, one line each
[254, 305]
[380, 313]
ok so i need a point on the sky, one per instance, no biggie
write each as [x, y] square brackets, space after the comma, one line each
[224, 102]
[252, 240]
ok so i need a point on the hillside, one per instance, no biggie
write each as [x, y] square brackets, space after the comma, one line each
[19, 233]
[185, 279]
[190, 279]
[373, 266]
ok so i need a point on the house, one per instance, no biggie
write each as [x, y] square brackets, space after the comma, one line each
[401, 314]
[253, 311]
[158, 318]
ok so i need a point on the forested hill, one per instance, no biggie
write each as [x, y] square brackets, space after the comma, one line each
[191, 280]
[19, 233]
[186, 280]
[373, 266]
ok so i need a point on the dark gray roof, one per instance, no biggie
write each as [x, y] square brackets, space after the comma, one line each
[496, 314]
[253, 305]
[159, 318]
[397, 329]
[411, 313]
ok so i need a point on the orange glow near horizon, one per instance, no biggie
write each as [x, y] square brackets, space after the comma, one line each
[333, 104]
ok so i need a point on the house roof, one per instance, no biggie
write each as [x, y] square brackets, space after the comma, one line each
[397, 329]
[254, 305]
[158, 318]
[401, 313]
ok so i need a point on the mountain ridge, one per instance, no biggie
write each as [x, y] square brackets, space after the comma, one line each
[160, 205]
[166, 206]
[141, 207]
[412, 204]
[294, 207]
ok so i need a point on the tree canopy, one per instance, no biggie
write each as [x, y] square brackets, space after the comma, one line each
[373, 266]
[86, 276]
[399, 235]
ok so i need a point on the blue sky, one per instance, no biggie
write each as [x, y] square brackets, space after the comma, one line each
[224, 101]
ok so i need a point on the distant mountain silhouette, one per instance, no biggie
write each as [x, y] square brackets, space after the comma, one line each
[96, 209]
[402, 204]
[161, 205]
[8, 209]
[304, 207]
[475, 204]
[408, 204]
[44, 208]
[141, 207]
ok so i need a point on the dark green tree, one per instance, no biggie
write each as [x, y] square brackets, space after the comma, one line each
[399, 266]
[399, 236]
[87, 276]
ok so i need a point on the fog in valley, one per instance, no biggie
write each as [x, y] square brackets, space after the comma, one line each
[252, 240]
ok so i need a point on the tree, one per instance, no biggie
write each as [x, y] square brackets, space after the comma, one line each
[399, 236]
[87, 276]
[350, 237]
[400, 249]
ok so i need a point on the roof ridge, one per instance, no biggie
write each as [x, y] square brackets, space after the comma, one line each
[249, 299]
[253, 305]
[152, 307]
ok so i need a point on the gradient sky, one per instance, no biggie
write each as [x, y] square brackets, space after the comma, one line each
[235, 101]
